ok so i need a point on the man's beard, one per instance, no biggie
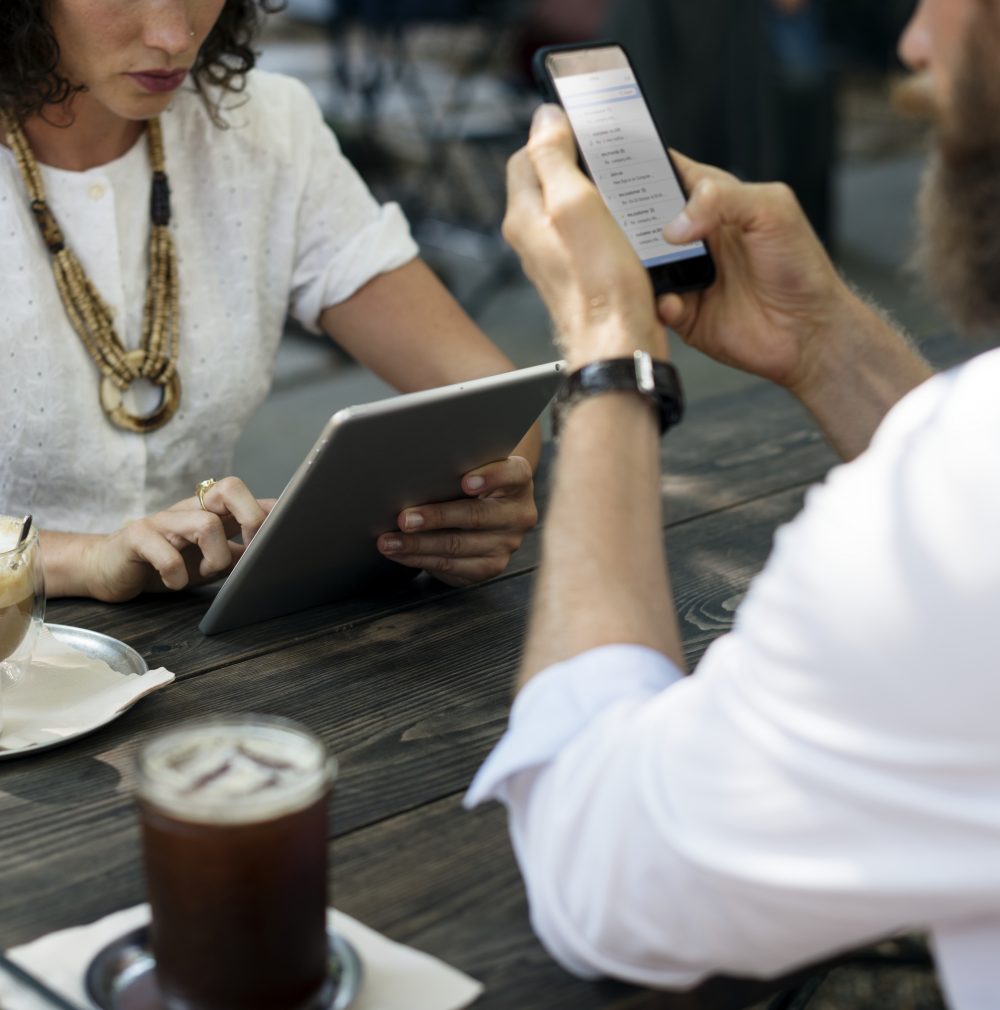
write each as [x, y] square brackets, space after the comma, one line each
[959, 251]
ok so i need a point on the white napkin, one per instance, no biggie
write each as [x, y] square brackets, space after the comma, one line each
[64, 693]
[393, 977]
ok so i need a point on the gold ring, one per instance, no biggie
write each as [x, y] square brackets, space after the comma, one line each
[202, 488]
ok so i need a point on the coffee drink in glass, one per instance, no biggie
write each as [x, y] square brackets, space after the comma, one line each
[22, 592]
[234, 825]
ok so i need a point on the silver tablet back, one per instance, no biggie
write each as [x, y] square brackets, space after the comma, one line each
[369, 463]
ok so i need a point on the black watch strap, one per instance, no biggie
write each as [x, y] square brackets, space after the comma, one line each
[658, 381]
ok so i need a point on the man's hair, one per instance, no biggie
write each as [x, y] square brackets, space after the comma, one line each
[29, 54]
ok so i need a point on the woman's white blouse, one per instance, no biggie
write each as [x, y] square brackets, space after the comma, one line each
[269, 218]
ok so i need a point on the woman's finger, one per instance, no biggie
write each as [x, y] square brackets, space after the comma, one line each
[516, 512]
[204, 530]
[229, 498]
[404, 547]
[458, 571]
[508, 476]
[147, 545]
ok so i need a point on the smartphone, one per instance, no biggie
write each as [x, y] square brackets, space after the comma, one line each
[622, 151]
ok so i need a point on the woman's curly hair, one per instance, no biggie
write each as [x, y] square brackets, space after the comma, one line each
[29, 54]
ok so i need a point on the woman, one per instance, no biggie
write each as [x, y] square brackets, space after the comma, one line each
[138, 333]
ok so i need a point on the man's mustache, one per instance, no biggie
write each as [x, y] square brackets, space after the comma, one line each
[913, 96]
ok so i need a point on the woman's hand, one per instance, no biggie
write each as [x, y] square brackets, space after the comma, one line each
[472, 539]
[593, 284]
[778, 305]
[180, 547]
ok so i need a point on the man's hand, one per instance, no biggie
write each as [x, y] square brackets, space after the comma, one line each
[472, 539]
[180, 547]
[780, 310]
[596, 290]
[778, 300]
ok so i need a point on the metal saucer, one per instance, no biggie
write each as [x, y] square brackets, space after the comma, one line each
[122, 975]
[120, 657]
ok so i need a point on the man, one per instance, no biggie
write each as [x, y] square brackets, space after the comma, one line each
[831, 774]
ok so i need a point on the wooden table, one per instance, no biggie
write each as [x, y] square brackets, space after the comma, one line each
[410, 691]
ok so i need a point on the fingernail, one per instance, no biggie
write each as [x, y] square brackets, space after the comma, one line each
[413, 520]
[474, 483]
[679, 230]
[545, 116]
[391, 544]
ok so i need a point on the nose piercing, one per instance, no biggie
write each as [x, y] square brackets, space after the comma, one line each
[191, 35]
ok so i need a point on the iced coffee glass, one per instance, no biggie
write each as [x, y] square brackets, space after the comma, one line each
[234, 814]
[22, 595]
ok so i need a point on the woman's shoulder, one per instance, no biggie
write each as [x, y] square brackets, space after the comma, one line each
[277, 96]
[272, 112]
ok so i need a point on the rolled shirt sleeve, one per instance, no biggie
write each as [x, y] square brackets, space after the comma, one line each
[344, 236]
[561, 702]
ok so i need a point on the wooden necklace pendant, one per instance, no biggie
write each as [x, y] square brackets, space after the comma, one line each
[113, 398]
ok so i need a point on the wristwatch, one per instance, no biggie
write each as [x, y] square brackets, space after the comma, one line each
[657, 381]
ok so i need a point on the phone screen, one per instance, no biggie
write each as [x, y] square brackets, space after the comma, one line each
[621, 148]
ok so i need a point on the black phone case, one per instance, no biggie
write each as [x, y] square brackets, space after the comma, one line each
[668, 276]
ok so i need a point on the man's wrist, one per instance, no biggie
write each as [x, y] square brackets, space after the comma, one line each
[860, 346]
[863, 365]
[616, 337]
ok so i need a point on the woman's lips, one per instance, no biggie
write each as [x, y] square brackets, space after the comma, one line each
[159, 81]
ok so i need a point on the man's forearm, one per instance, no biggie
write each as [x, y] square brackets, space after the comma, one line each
[603, 577]
[856, 379]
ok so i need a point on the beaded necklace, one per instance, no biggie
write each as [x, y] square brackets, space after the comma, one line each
[156, 357]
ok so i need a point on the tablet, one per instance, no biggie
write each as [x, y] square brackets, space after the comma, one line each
[368, 464]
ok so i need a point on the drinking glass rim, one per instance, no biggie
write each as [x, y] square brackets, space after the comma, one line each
[319, 776]
[29, 541]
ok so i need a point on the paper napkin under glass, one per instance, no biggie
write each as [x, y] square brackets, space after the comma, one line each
[393, 976]
[64, 693]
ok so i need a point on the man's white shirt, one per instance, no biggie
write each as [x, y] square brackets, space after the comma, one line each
[831, 773]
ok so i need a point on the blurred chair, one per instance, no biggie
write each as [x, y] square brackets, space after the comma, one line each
[450, 65]
[468, 98]
[377, 56]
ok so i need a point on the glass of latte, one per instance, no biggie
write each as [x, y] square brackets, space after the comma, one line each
[234, 826]
[22, 593]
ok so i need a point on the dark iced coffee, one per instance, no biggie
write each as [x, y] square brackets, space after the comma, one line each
[234, 828]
